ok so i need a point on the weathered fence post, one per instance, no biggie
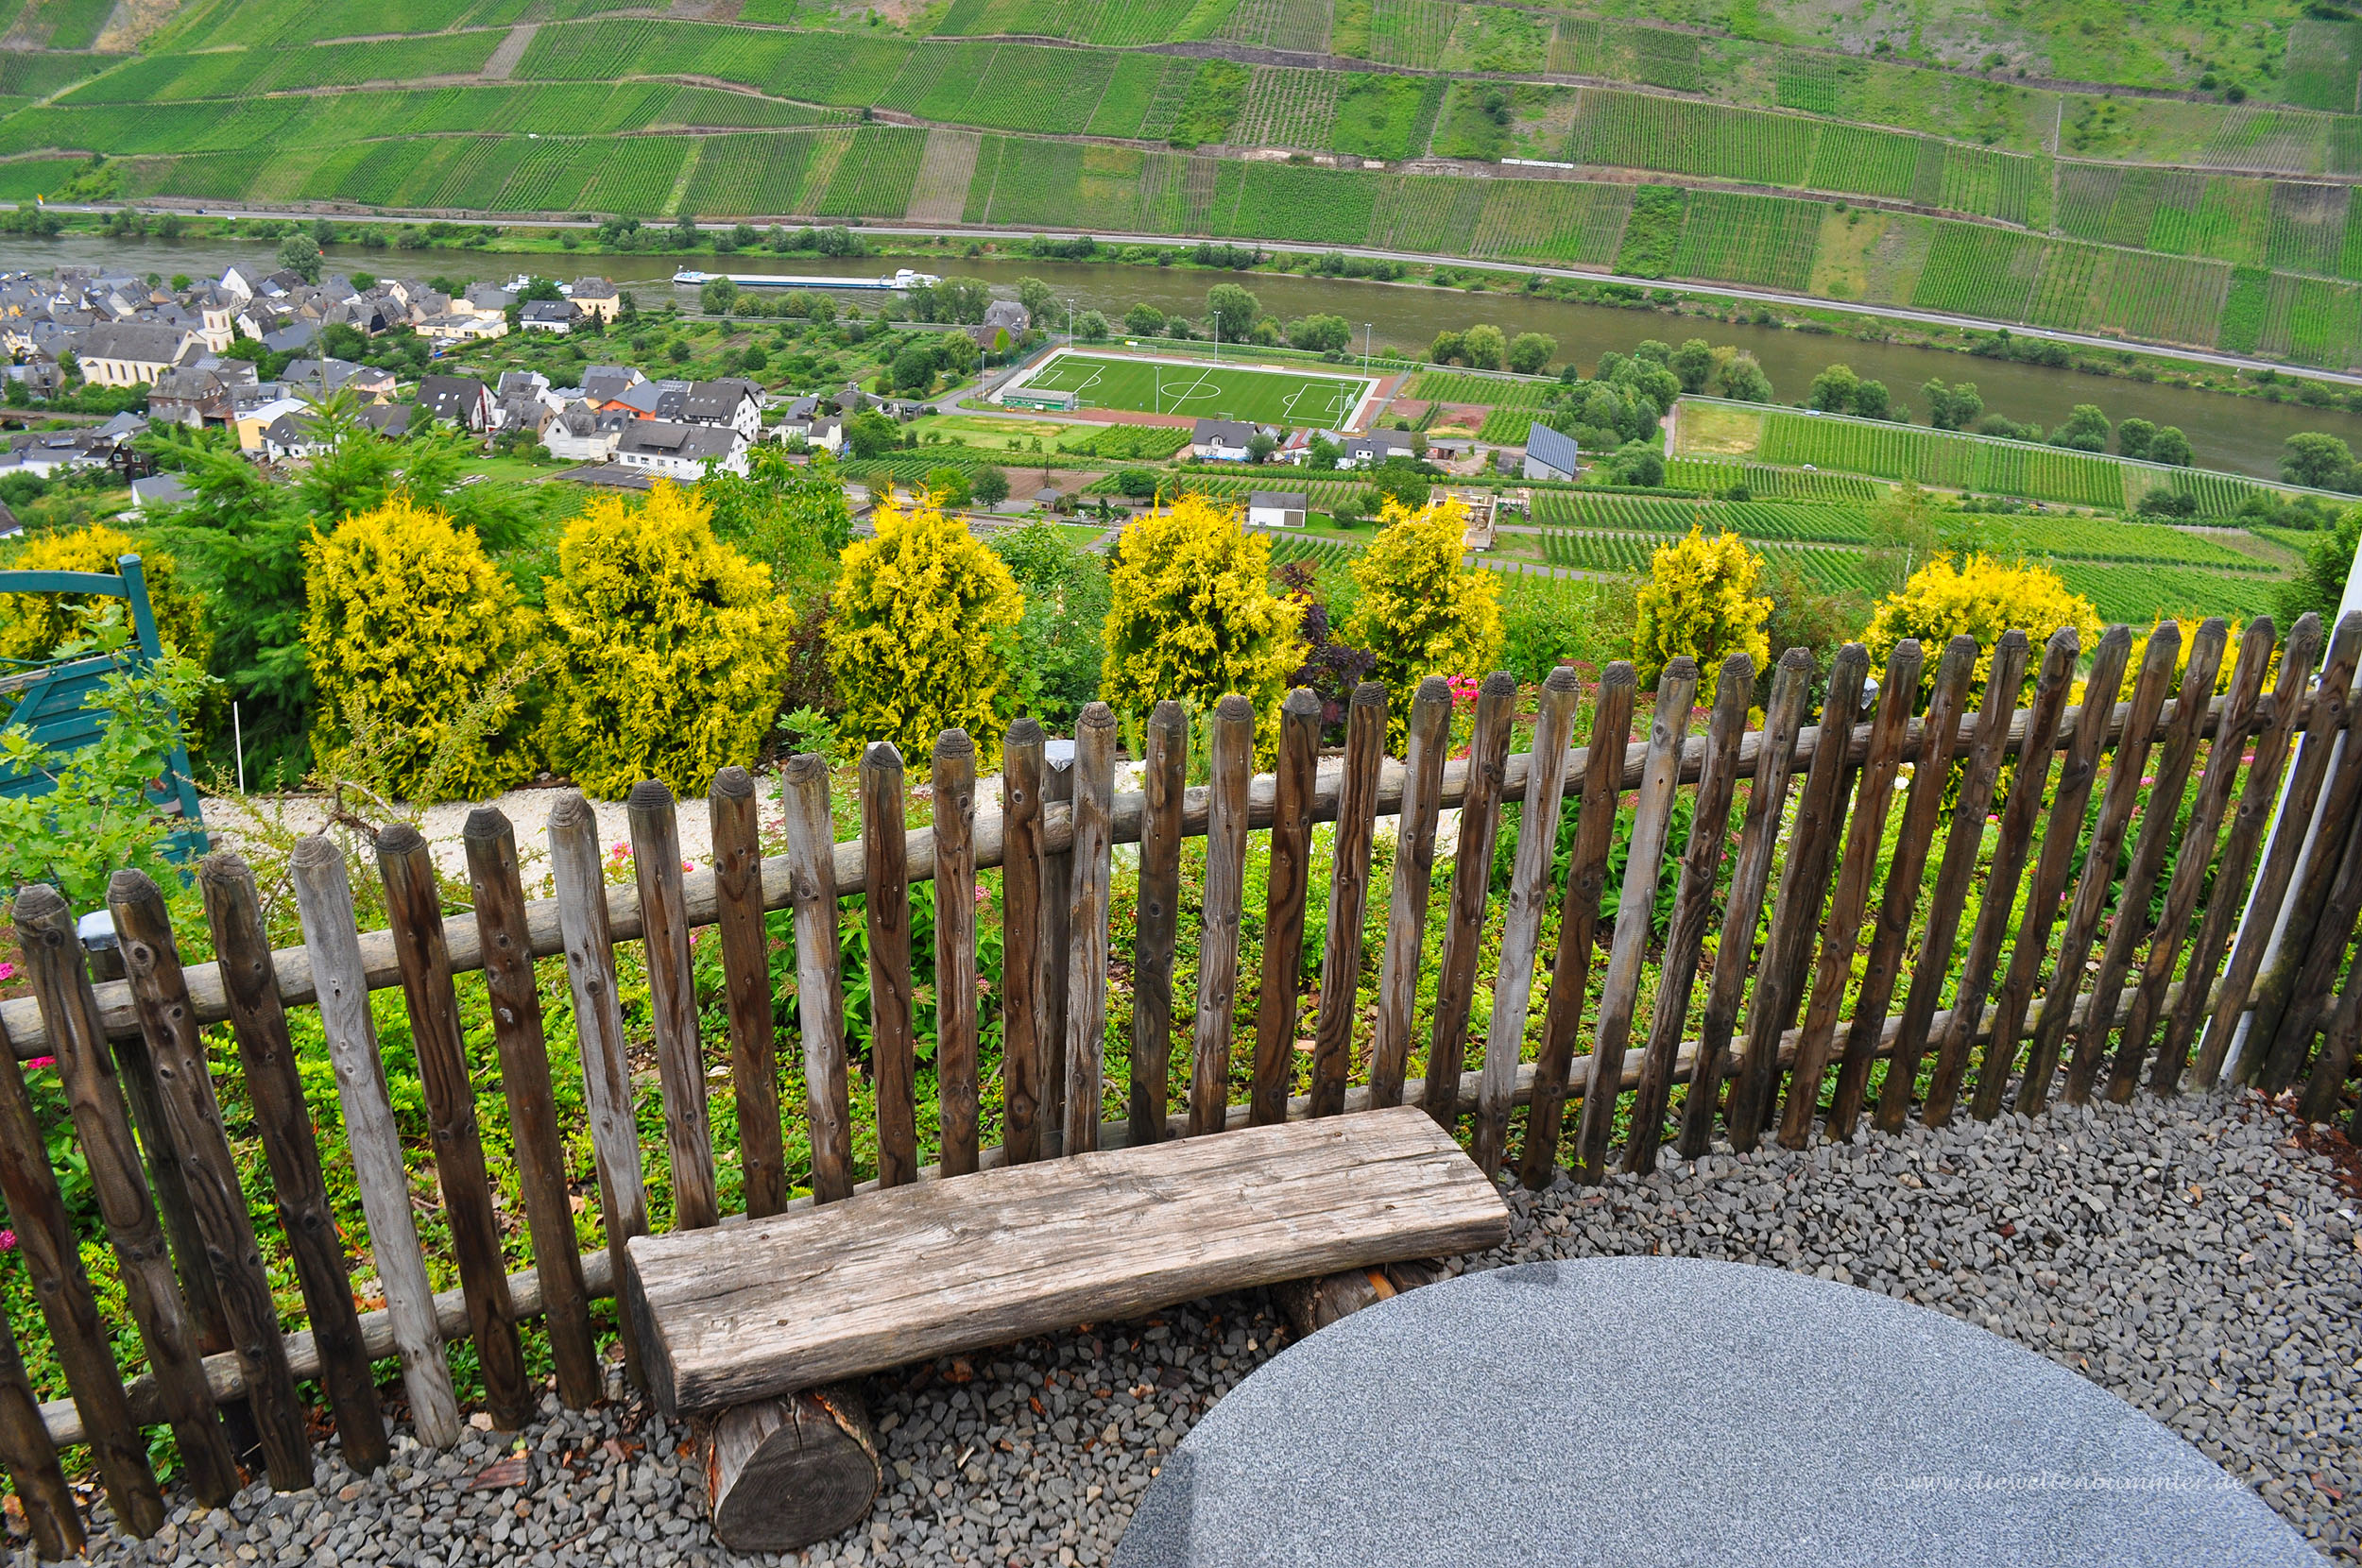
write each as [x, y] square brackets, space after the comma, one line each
[1619, 995]
[954, 780]
[746, 980]
[2198, 849]
[284, 1122]
[1883, 964]
[1471, 886]
[1693, 906]
[151, 958]
[53, 1260]
[2329, 711]
[1156, 917]
[2159, 829]
[516, 1001]
[1578, 921]
[2099, 865]
[672, 1002]
[819, 982]
[1962, 843]
[1085, 977]
[31, 1458]
[1022, 1042]
[893, 1048]
[2028, 784]
[1057, 941]
[1812, 844]
[324, 904]
[53, 954]
[1287, 887]
[1751, 879]
[1430, 739]
[577, 877]
[1232, 763]
[1348, 897]
[1529, 901]
[2078, 770]
[414, 910]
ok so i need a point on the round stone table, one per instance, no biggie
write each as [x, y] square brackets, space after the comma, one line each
[1672, 1413]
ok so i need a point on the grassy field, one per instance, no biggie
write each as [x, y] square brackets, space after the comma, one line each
[1201, 390]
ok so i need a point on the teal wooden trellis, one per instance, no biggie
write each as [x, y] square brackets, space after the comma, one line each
[47, 697]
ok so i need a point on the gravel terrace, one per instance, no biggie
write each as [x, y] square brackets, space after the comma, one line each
[2205, 1264]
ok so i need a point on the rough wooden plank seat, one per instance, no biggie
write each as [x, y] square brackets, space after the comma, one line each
[802, 1299]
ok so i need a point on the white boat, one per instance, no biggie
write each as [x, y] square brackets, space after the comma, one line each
[906, 279]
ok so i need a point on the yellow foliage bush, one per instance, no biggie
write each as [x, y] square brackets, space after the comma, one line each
[1421, 612]
[923, 634]
[666, 646]
[411, 634]
[2190, 622]
[1192, 616]
[1700, 600]
[31, 624]
[1983, 598]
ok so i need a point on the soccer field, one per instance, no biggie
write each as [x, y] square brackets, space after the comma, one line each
[1203, 391]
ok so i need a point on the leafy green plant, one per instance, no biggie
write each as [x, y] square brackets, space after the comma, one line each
[97, 816]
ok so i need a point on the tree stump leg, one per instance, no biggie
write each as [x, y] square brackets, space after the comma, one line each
[1314, 1304]
[781, 1473]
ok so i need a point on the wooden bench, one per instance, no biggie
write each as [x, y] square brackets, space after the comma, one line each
[734, 1317]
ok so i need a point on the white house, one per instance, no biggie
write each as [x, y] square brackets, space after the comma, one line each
[1222, 441]
[732, 401]
[679, 451]
[1378, 446]
[1276, 508]
[582, 434]
[548, 315]
[824, 431]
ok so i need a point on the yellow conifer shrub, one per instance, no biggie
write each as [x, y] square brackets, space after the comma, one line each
[1700, 600]
[1983, 598]
[1192, 616]
[411, 634]
[923, 631]
[1421, 612]
[666, 647]
[31, 624]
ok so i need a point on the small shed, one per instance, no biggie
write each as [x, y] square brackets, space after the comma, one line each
[1276, 508]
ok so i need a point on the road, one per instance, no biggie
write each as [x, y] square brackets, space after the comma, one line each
[1765, 296]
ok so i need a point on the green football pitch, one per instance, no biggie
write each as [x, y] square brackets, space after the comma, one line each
[1202, 391]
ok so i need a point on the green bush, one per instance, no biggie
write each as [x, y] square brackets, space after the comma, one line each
[413, 638]
[666, 647]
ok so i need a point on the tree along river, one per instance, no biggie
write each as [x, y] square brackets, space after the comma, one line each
[2242, 434]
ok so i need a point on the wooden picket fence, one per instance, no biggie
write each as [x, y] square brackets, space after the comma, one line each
[2162, 827]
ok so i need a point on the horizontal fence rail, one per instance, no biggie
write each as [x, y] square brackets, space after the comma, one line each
[2029, 873]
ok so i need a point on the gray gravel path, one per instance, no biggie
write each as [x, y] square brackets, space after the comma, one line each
[2193, 1258]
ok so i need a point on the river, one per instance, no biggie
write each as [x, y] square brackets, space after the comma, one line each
[2242, 434]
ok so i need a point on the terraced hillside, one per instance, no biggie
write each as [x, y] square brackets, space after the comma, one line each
[2137, 173]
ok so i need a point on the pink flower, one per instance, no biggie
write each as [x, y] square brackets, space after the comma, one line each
[42, 1062]
[983, 897]
[8, 971]
[8, 1241]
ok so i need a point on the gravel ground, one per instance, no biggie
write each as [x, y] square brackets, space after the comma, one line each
[2205, 1264]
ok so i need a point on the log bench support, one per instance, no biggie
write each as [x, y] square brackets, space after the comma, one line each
[742, 1317]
